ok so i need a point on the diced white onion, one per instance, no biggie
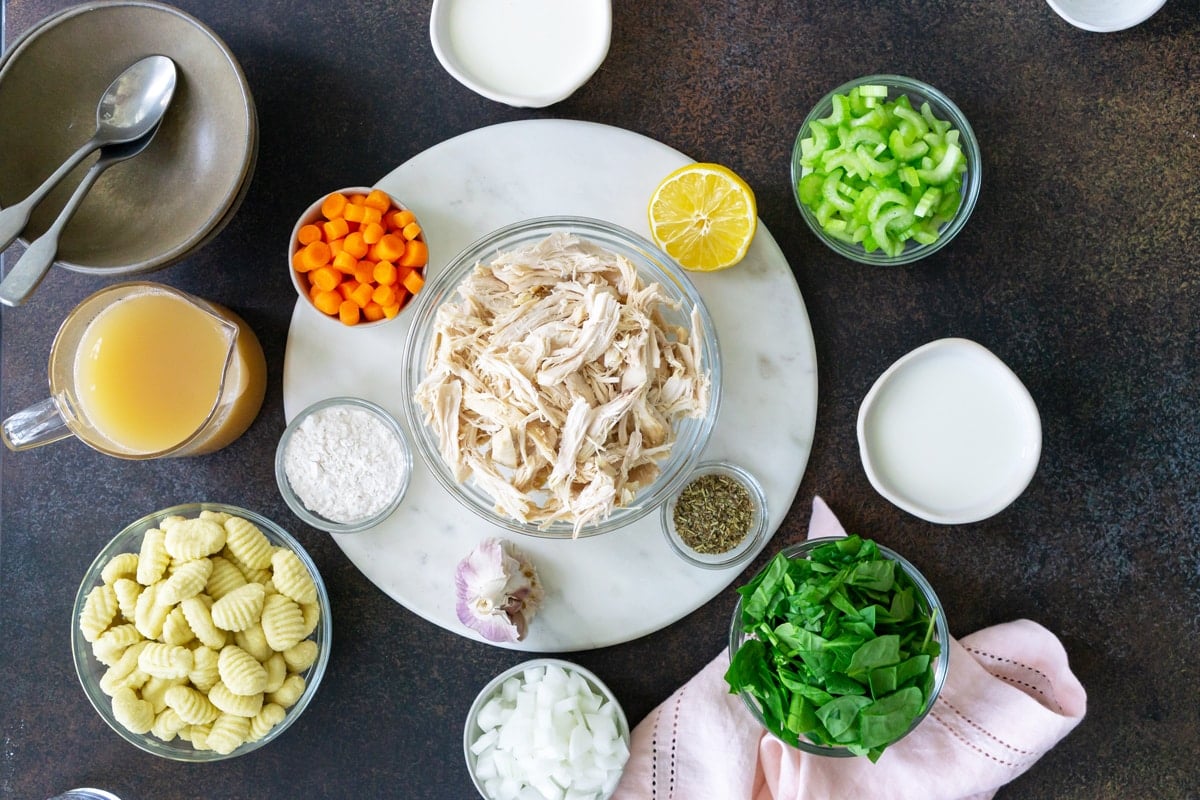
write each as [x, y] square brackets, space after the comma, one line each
[547, 734]
[484, 742]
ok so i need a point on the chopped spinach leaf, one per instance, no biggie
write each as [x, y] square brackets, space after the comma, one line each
[839, 647]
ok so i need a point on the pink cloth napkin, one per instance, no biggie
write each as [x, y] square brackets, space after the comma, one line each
[1009, 697]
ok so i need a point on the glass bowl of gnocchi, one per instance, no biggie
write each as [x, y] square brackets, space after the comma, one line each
[201, 632]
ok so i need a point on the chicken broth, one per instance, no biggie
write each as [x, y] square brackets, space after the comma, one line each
[151, 371]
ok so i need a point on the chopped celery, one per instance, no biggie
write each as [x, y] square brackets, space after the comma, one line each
[879, 173]
[929, 199]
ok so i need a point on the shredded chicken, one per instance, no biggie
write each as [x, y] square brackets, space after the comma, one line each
[554, 382]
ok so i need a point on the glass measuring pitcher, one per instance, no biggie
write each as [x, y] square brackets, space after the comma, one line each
[141, 370]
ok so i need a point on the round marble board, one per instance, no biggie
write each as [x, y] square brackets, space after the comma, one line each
[600, 590]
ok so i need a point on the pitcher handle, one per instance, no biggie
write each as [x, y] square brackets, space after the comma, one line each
[35, 426]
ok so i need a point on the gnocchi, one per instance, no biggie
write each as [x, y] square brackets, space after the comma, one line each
[99, 609]
[241, 672]
[247, 543]
[282, 622]
[194, 539]
[204, 632]
[241, 608]
[188, 580]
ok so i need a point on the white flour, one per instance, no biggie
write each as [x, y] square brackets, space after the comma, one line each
[343, 463]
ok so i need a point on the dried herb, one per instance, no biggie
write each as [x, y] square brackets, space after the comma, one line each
[713, 514]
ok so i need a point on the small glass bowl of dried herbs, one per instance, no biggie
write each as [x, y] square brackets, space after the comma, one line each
[719, 517]
[838, 647]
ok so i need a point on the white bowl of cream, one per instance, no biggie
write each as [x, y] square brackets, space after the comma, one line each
[524, 53]
[1105, 16]
[949, 433]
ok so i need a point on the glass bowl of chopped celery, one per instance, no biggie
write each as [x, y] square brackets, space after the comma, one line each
[886, 170]
[838, 647]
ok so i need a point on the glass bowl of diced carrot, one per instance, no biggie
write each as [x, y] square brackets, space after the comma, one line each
[357, 256]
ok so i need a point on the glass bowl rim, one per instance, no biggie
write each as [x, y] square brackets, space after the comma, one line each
[446, 280]
[491, 687]
[971, 185]
[296, 505]
[941, 665]
[86, 664]
[745, 549]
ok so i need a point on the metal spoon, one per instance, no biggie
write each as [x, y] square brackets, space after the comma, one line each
[130, 108]
[37, 259]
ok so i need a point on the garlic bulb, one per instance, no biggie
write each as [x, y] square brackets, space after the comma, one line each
[498, 591]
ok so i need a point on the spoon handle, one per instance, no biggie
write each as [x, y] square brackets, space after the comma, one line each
[33, 264]
[14, 217]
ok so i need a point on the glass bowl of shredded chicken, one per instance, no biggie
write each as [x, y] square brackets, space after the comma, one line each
[562, 377]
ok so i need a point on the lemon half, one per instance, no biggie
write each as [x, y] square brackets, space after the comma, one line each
[703, 216]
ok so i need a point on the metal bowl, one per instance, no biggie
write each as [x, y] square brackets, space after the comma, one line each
[157, 208]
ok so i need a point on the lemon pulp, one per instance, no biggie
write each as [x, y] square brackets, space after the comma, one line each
[703, 216]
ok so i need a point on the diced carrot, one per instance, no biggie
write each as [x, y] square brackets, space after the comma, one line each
[384, 295]
[314, 255]
[335, 229]
[345, 263]
[365, 273]
[416, 254]
[390, 247]
[333, 205]
[355, 246]
[401, 218]
[326, 278]
[384, 273]
[391, 311]
[327, 302]
[372, 232]
[413, 281]
[308, 233]
[363, 260]
[379, 200]
[362, 294]
[372, 311]
[348, 312]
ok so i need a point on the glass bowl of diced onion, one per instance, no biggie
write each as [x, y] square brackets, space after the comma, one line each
[98, 660]
[886, 170]
[546, 728]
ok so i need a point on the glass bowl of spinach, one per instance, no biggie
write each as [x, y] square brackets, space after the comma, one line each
[838, 647]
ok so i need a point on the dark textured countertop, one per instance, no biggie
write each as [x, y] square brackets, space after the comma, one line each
[1078, 269]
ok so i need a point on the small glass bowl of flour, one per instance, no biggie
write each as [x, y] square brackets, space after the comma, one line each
[343, 465]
